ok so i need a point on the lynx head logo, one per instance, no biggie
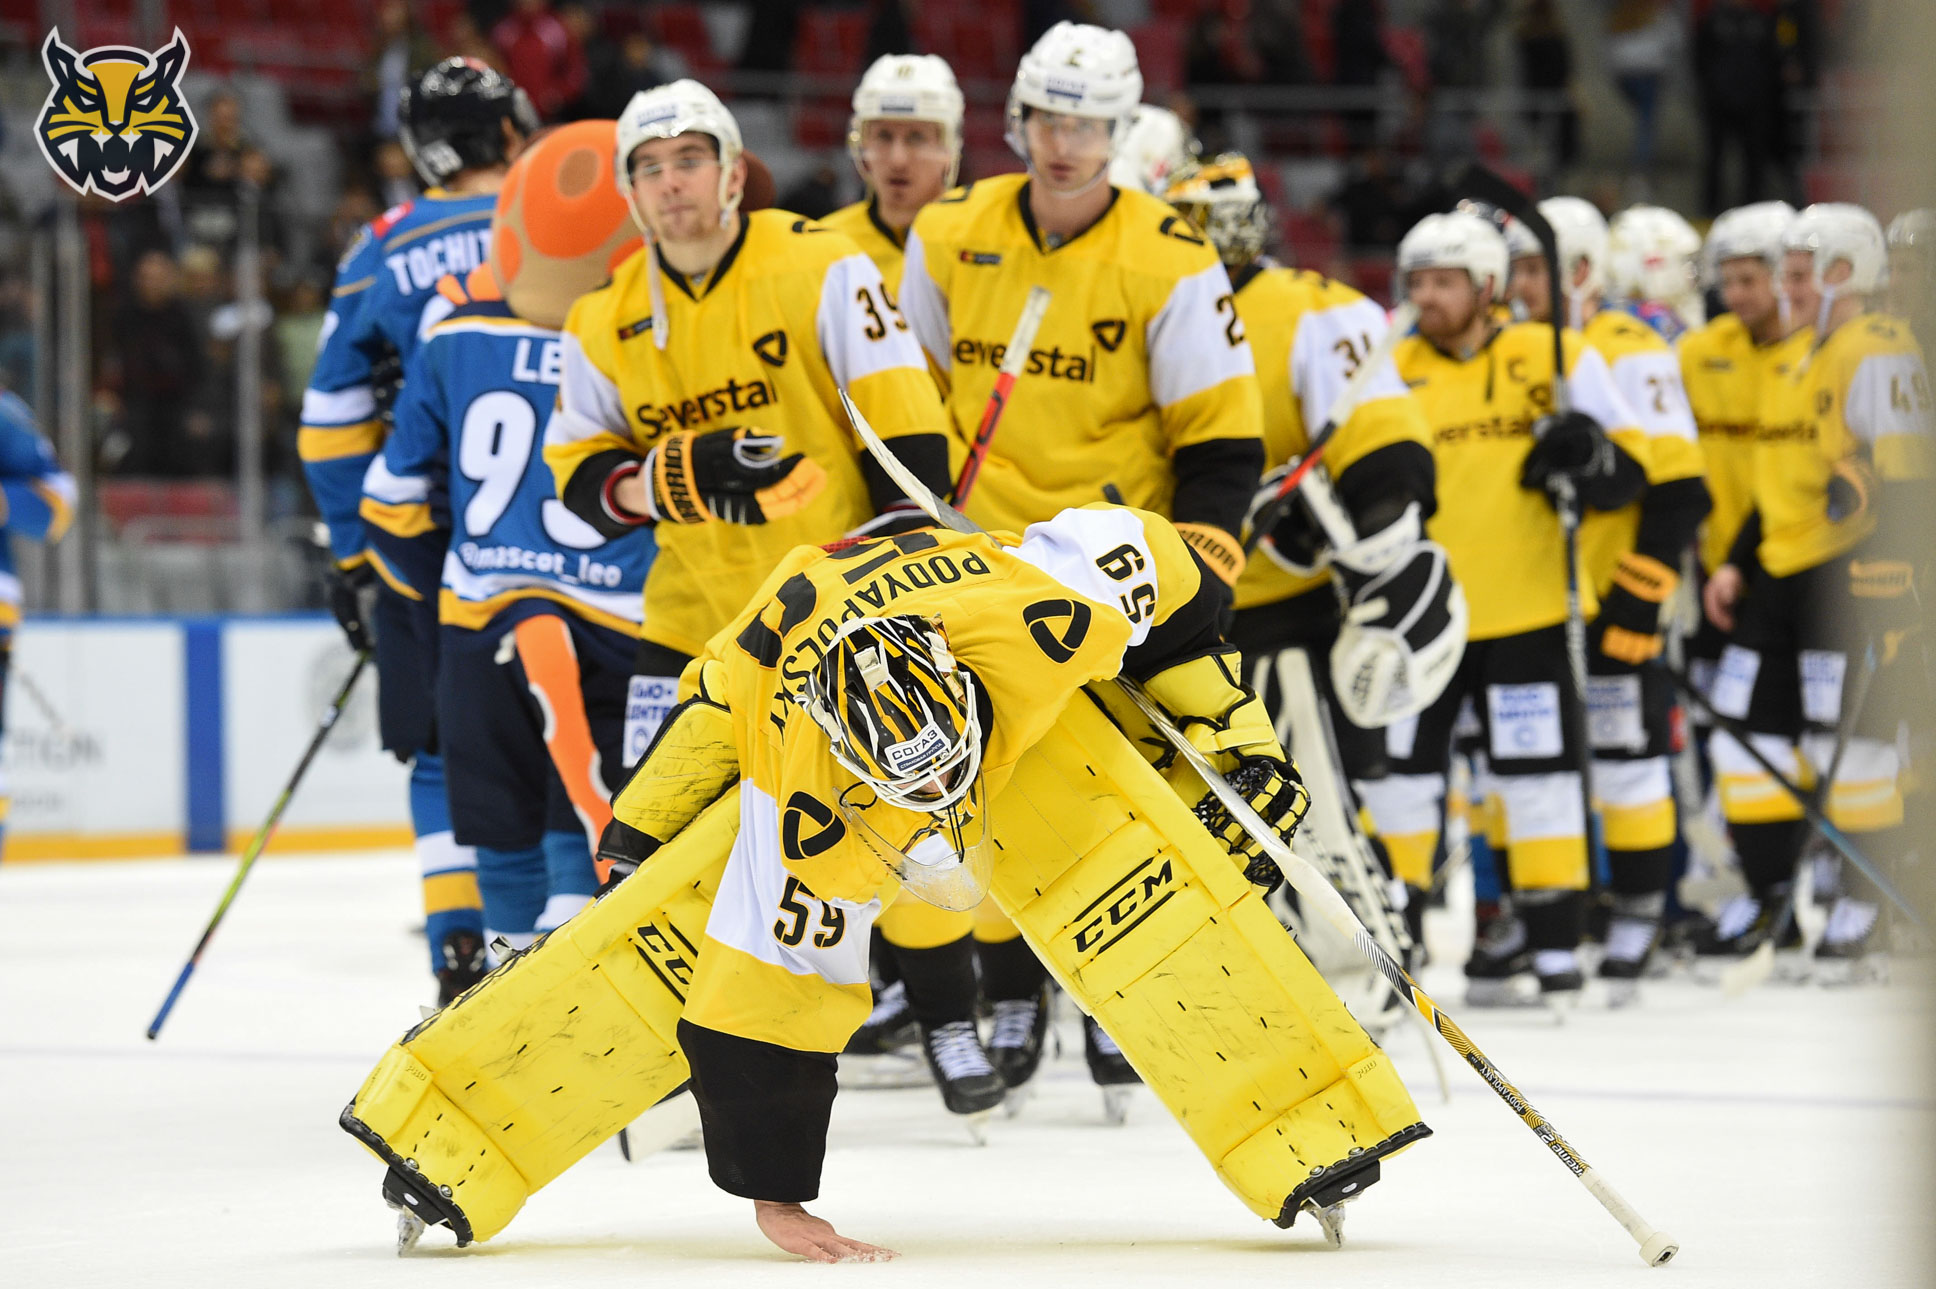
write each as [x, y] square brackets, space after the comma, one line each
[115, 123]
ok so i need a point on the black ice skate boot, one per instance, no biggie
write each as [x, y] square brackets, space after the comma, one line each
[888, 1028]
[1110, 1069]
[1499, 957]
[1630, 939]
[464, 965]
[1846, 955]
[1021, 1028]
[968, 1082]
[1747, 920]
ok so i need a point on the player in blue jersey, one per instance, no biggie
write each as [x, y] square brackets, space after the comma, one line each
[462, 124]
[36, 502]
[540, 613]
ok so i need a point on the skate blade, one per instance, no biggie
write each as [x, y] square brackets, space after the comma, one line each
[1115, 1104]
[890, 1070]
[1016, 1099]
[977, 1125]
[1503, 995]
[1848, 973]
[1330, 1221]
[410, 1229]
[1622, 994]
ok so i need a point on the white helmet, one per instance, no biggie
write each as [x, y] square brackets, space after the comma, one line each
[1751, 231]
[1153, 151]
[1913, 230]
[1520, 242]
[910, 87]
[1653, 254]
[1076, 70]
[1456, 240]
[1581, 232]
[666, 112]
[1838, 230]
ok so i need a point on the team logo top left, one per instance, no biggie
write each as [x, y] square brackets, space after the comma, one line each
[116, 122]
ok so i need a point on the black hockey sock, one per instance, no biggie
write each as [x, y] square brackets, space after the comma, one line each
[1009, 970]
[887, 964]
[1768, 852]
[940, 981]
[1555, 919]
[1640, 872]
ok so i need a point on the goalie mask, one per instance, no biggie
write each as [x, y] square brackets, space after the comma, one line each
[1220, 197]
[902, 716]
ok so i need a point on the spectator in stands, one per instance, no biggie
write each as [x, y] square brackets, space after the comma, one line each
[770, 31]
[299, 333]
[1358, 48]
[403, 50]
[396, 179]
[1373, 204]
[1644, 39]
[541, 56]
[17, 307]
[1798, 50]
[1546, 68]
[1737, 66]
[817, 193]
[154, 371]
[212, 176]
[622, 68]
[1456, 35]
[465, 39]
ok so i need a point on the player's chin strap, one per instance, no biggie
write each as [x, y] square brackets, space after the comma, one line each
[1656, 1247]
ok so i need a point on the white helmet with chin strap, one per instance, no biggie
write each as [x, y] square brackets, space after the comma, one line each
[909, 87]
[1653, 254]
[1580, 231]
[1831, 231]
[1457, 239]
[1153, 152]
[1913, 230]
[1076, 69]
[1753, 231]
[667, 112]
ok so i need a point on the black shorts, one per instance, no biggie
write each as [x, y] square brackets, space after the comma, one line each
[1310, 622]
[1630, 709]
[1522, 691]
[406, 668]
[505, 792]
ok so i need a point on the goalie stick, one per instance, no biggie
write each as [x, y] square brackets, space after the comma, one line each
[261, 839]
[1656, 1247]
[1014, 359]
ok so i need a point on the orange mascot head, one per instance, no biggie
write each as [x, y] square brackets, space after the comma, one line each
[561, 226]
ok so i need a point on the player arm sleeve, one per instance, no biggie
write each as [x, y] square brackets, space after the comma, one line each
[1888, 420]
[1205, 388]
[586, 445]
[406, 536]
[922, 302]
[1590, 389]
[763, 1110]
[38, 503]
[872, 354]
[341, 426]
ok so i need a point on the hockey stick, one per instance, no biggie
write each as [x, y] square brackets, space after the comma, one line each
[261, 839]
[1656, 1247]
[1338, 413]
[1818, 819]
[1014, 359]
[1754, 970]
[1485, 185]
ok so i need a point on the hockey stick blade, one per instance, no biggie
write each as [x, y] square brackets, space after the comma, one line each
[1338, 413]
[1656, 1247]
[1014, 361]
[938, 510]
[260, 840]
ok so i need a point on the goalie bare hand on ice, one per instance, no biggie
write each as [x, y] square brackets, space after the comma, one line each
[909, 714]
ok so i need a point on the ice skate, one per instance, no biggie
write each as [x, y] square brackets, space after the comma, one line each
[1846, 953]
[1499, 960]
[1560, 979]
[1629, 952]
[969, 1084]
[1110, 1070]
[1015, 1045]
[465, 963]
[889, 1027]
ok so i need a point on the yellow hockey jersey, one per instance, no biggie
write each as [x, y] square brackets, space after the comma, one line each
[793, 311]
[1864, 392]
[1503, 540]
[1141, 353]
[1308, 334]
[1033, 619]
[862, 221]
[1662, 439]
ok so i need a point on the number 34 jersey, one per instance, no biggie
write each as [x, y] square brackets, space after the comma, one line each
[460, 501]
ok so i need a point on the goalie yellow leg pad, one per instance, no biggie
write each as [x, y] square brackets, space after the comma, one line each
[909, 923]
[1152, 929]
[555, 1051]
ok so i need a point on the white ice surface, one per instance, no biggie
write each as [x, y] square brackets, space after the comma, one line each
[1778, 1137]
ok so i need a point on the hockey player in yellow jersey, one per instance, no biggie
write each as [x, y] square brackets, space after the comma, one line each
[1371, 626]
[1633, 556]
[905, 139]
[872, 703]
[698, 391]
[1912, 277]
[1820, 583]
[1138, 386]
[1487, 394]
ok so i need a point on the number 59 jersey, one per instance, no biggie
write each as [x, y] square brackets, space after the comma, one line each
[460, 497]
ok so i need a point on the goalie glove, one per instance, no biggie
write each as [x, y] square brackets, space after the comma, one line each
[1276, 793]
[735, 474]
[1630, 614]
[1402, 638]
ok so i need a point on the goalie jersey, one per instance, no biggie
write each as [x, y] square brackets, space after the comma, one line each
[460, 504]
[792, 312]
[1140, 376]
[383, 284]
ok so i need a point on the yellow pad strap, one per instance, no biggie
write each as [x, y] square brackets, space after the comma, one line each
[793, 494]
[1217, 548]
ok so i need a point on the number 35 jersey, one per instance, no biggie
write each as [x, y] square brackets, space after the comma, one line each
[1140, 376]
[460, 502]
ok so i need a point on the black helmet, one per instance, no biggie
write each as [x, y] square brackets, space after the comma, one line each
[448, 121]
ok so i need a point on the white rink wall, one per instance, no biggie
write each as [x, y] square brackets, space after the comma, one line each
[158, 736]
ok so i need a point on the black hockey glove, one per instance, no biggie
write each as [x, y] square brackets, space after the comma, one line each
[737, 475]
[352, 598]
[1274, 790]
[1572, 446]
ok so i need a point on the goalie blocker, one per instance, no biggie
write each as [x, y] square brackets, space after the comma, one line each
[739, 945]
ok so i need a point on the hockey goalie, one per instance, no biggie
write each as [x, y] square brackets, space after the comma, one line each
[911, 718]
